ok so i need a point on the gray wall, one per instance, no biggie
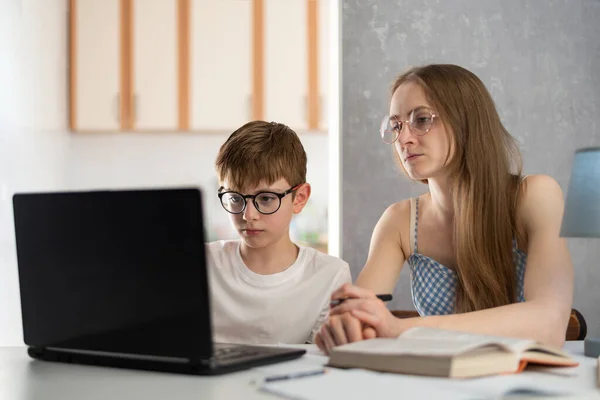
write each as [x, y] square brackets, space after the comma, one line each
[539, 59]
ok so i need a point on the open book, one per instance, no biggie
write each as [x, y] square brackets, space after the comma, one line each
[437, 352]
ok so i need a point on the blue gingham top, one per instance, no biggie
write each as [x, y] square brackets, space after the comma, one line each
[433, 286]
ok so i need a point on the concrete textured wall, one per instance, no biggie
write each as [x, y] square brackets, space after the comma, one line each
[539, 59]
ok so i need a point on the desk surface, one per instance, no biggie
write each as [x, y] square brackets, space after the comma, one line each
[22, 378]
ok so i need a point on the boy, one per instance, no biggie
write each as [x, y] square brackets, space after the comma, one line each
[264, 288]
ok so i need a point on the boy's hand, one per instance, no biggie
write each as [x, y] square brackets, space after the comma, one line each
[342, 329]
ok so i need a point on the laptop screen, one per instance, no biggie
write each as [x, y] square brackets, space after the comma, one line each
[114, 271]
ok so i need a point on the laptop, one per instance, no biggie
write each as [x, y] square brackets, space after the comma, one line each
[119, 278]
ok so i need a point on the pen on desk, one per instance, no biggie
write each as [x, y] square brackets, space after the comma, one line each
[294, 375]
[382, 297]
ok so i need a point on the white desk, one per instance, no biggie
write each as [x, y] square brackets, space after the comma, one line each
[22, 378]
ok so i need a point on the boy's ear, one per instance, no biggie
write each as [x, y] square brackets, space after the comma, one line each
[302, 195]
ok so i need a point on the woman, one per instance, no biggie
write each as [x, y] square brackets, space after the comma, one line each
[482, 244]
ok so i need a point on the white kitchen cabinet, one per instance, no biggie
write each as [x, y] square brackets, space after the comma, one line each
[95, 65]
[285, 72]
[188, 65]
[155, 97]
[220, 64]
[323, 49]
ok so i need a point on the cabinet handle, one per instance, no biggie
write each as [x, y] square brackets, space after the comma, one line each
[249, 106]
[305, 110]
[117, 103]
[324, 110]
[135, 108]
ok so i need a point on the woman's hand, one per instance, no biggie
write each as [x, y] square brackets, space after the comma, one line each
[363, 304]
[361, 316]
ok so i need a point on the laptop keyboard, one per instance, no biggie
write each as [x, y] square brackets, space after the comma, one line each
[229, 352]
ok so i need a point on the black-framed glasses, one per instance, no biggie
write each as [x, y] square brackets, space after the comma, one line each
[265, 202]
[419, 122]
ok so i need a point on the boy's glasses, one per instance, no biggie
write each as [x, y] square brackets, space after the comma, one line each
[419, 122]
[264, 202]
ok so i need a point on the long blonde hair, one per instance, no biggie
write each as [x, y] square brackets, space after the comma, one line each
[484, 177]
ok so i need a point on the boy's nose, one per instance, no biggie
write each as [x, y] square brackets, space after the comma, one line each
[250, 213]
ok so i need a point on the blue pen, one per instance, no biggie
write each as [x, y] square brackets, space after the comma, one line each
[294, 375]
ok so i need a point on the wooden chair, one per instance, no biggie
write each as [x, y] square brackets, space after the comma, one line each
[576, 329]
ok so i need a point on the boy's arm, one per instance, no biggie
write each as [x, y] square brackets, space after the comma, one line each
[317, 326]
[341, 278]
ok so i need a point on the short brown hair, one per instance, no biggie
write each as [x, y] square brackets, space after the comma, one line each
[261, 151]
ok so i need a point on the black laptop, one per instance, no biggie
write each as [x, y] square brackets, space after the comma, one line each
[119, 278]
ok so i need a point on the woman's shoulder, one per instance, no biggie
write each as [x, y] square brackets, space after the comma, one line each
[398, 211]
[535, 186]
[540, 197]
[394, 224]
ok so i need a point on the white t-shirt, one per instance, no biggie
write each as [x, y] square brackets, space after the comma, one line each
[286, 307]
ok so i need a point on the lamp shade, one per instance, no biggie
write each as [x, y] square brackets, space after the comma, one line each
[582, 208]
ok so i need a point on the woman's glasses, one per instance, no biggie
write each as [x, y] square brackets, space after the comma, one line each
[419, 122]
[265, 202]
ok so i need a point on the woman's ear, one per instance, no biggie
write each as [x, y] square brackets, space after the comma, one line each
[301, 197]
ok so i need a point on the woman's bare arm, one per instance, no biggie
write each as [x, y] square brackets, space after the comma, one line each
[548, 276]
[384, 263]
[548, 282]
